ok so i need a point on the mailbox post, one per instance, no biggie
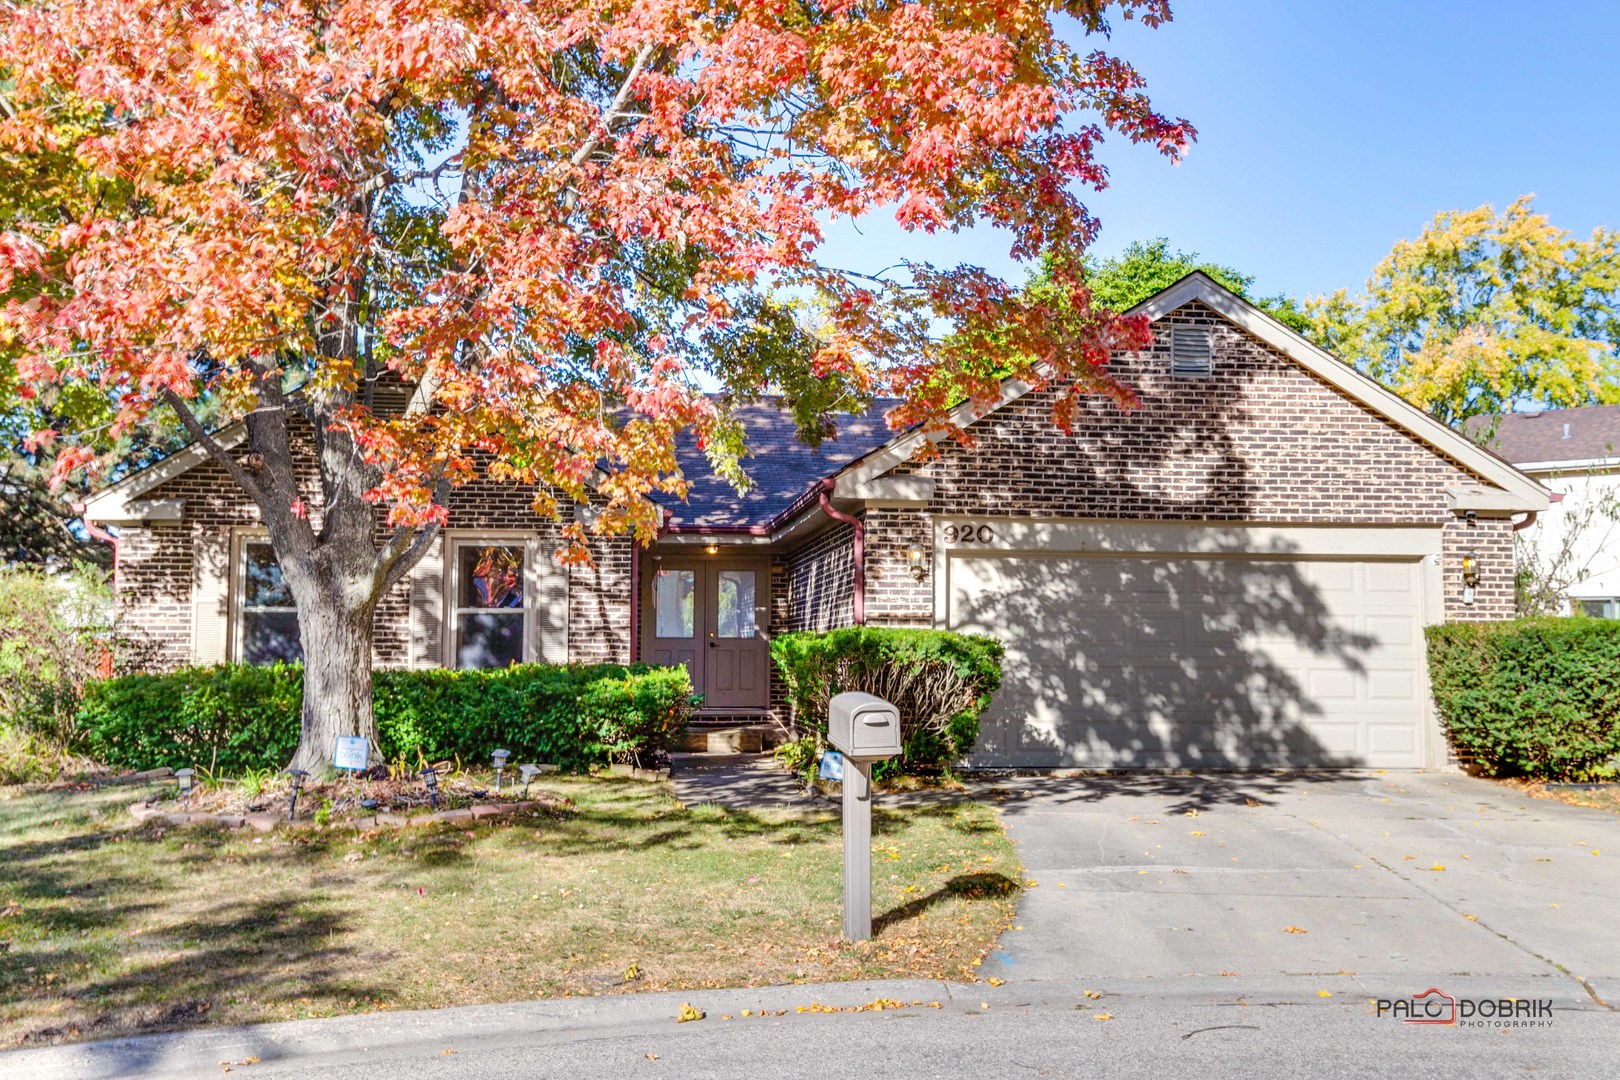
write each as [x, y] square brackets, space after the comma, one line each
[864, 728]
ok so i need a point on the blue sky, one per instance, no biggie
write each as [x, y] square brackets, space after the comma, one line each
[1328, 129]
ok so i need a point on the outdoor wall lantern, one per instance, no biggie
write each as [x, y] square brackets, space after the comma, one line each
[529, 773]
[188, 780]
[298, 778]
[712, 549]
[498, 759]
[431, 779]
[915, 565]
[1470, 575]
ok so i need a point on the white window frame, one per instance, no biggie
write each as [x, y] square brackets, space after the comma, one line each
[1610, 606]
[240, 539]
[454, 541]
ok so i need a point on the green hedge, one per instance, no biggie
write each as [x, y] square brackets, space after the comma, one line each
[235, 717]
[1531, 697]
[940, 681]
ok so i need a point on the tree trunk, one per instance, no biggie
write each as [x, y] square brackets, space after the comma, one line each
[337, 678]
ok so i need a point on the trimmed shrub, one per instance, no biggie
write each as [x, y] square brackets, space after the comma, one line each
[940, 681]
[235, 717]
[1531, 697]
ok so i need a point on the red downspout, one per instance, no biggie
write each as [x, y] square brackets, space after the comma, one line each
[98, 533]
[859, 599]
[1529, 520]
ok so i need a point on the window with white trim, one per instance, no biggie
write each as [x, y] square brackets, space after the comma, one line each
[1606, 607]
[489, 619]
[267, 621]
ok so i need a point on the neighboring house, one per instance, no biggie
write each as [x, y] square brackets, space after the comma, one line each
[1235, 574]
[1575, 452]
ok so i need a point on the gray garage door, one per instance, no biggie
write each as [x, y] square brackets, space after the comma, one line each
[1153, 662]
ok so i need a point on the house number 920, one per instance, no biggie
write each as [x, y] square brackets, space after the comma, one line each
[967, 534]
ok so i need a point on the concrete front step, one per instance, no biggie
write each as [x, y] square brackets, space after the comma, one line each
[733, 739]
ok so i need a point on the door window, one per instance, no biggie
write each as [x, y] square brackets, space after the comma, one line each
[735, 603]
[674, 599]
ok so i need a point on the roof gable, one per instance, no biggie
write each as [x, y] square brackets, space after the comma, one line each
[1524, 493]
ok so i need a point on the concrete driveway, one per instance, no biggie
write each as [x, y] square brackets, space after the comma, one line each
[1374, 883]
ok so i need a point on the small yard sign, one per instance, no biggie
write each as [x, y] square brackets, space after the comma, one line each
[832, 766]
[352, 752]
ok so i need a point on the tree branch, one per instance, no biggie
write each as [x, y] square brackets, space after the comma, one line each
[616, 109]
[194, 428]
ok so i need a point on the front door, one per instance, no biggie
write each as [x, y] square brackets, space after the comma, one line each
[709, 614]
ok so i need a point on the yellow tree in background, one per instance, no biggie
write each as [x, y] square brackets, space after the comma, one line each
[1485, 312]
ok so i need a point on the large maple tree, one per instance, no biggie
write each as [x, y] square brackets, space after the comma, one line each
[558, 220]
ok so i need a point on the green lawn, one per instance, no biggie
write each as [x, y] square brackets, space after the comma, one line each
[114, 928]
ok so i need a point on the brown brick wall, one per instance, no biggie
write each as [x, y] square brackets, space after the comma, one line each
[1261, 440]
[154, 596]
[818, 582]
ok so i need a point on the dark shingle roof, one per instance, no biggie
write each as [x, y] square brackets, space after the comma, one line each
[1582, 434]
[782, 467]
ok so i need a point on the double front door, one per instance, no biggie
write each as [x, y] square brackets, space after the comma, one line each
[710, 614]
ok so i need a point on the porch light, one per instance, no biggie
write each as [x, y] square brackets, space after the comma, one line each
[713, 549]
[498, 759]
[431, 779]
[915, 565]
[1470, 575]
[298, 778]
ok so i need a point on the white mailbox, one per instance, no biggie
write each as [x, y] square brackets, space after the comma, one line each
[863, 727]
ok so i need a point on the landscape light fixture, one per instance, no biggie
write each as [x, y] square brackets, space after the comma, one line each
[431, 779]
[188, 779]
[1470, 575]
[298, 778]
[498, 759]
[529, 773]
[915, 565]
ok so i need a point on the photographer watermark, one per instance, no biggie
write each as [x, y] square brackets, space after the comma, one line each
[1436, 1007]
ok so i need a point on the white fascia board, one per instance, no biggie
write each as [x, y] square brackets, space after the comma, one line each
[889, 491]
[1572, 465]
[117, 504]
[1369, 392]
[1485, 500]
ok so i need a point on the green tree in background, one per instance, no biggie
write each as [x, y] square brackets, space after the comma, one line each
[1483, 313]
[1142, 269]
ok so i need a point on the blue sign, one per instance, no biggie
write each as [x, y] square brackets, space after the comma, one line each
[352, 752]
[832, 766]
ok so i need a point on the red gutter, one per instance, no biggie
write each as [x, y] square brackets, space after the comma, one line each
[858, 601]
[1529, 520]
[822, 494]
[98, 533]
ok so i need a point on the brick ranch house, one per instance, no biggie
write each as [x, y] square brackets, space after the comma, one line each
[1236, 574]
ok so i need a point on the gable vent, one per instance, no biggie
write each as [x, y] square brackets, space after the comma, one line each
[1190, 351]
